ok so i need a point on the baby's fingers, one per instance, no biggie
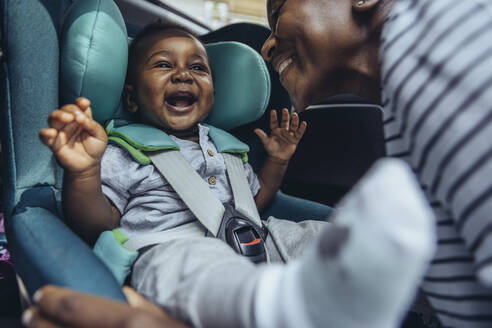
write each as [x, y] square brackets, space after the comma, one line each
[84, 105]
[89, 125]
[273, 120]
[48, 136]
[262, 135]
[62, 138]
[82, 117]
[294, 123]
[284, 124]
[302, 128]
[59, 118]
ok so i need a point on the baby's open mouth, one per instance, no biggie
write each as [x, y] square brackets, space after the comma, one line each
[181, 99]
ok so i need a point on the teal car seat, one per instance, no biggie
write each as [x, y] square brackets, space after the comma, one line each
[44, 249]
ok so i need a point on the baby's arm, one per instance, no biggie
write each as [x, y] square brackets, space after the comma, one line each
[78, 142]
[280, 146]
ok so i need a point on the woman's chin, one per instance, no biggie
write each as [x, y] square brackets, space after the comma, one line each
[299, 103]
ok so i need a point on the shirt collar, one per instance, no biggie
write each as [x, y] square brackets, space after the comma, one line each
[203, 135]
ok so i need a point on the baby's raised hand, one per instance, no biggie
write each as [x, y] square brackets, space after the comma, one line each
[283, 140]
[77, 141]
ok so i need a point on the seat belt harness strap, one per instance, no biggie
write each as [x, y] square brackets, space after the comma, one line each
[239, 227]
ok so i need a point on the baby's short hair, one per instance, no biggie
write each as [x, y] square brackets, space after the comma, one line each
[149, 30]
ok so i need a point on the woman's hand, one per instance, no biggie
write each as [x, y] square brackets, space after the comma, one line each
[59, 307]
[77, 141]
[283, 140]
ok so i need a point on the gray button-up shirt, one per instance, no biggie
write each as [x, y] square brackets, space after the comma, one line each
[145, 199]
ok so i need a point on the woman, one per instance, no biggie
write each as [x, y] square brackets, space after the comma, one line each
[432, 61]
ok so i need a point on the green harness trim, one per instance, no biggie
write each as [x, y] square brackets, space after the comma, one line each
[118, 259]
[119, 236]
[139, 138]
[135, 153]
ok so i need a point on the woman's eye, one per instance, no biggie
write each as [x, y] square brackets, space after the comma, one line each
[274, 19]
[274, 15]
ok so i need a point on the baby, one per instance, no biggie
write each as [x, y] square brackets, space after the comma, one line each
[201, 280]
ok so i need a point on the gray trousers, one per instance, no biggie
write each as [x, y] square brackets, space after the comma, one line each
[202, 281]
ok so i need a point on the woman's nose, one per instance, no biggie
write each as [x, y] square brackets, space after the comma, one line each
[269, 48]
[182, 75]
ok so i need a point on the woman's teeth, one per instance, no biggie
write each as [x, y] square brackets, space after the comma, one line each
[284, 65]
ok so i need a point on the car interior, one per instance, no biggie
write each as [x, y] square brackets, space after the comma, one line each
[39, 74]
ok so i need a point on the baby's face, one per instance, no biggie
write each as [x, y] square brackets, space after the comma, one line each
[174, 89]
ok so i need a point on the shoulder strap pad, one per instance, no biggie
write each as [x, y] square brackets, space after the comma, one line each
[227, 143]
[138, 138]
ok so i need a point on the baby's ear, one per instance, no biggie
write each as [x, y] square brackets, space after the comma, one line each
[364, 5]
[129, 98]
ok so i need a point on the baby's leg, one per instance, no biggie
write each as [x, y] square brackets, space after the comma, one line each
[199, 280]
[365, 268]
[287, 240]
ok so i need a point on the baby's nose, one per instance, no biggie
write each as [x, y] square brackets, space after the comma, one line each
[182, 75]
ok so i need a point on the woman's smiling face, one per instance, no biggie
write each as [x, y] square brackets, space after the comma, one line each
[312, 43]
[173, 81]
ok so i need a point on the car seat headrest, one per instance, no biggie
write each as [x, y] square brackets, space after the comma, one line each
[94, 56]
[241, 82]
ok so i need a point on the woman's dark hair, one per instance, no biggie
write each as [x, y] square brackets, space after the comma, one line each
[150, 29]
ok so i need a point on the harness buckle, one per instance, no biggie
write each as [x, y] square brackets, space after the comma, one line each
[245, 237]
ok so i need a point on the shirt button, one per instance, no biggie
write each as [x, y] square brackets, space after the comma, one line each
[212, 180]
[210, 152]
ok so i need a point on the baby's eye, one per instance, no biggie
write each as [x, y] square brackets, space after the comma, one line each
[198, 68]
[163, 65]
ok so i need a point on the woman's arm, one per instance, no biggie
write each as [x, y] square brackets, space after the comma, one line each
[60, 307]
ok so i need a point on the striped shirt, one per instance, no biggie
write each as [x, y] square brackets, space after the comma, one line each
[436, 69]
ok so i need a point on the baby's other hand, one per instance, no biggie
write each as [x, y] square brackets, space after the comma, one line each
[283, 140]
[77, 141]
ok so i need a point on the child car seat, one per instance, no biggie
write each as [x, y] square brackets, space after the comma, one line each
[44, 249]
